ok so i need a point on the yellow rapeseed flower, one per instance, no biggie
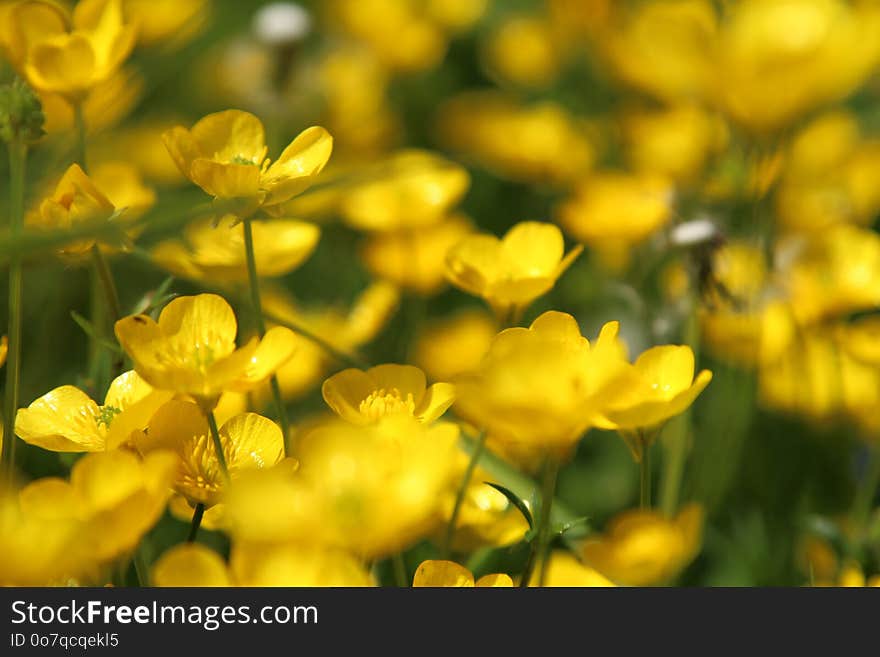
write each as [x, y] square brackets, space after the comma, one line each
[225, 154]
[66, 56]
[511, 272]
[439, 573]
[68, 420]
[249, 441]
[365, 397]
[213, 253]
[643, 548]
[192, 349]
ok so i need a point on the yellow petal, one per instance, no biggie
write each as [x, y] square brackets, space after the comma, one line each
[63, 64]
[436, 400]
[26, 23]
[437, 573]
[496, 580]
[407, 379]
[274, 350]
[182, 147]
[224, 180]
[558, 326]
[668, 368]
[295, 169]
[280, 246]
[344, 391]
[533, 249]
[473, 263]
[231, 136]
[203, 323]
[63, 420]
[253, 442]
[51, 498]
[190, 564]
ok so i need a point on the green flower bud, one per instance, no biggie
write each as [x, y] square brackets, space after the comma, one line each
[21, 114]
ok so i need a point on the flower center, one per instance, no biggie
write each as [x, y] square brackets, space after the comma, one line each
[241, 159]
[386, 402]
[106, 414]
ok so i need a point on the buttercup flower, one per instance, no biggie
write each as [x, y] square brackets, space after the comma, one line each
[434, 573]
[191, 349]
[68, 420]
[69, 57]
[363, 397]
[642, 548]
[564, 569]
[216, 252]
[511, 272]
[485, 518]
[448, 347]
[225, 155]
[249, 441]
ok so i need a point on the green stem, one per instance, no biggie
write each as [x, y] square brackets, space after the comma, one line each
[867, 490]
[17, 166]
[344, 358]
[218, 444]
[460, 495]
[538, 552]
[645, 475]
[196, 522]
[257, 305]
[399, 566]
[80, 127]
[108, 285]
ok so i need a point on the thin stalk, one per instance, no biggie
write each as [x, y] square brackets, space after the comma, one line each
[538, 552]
[80, 127]
[462, 491]
[350, 360]
[399, 566]
[198, 513]
[257, 305]
[17, 166]
[218, 445]
[108, 285]
[645, 475]
[867, 490]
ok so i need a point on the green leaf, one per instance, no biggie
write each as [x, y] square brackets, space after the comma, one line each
[89, 330]
[577, 528]
[516, 501]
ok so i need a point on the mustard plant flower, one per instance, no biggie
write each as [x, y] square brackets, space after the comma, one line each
[439, 573]
[511, 272]
[538, 390]
[643, 548]
[65, 55]
[67, 420]
[415, 259]
[191, 349]
[216, 253]
[364, 397]
[225, 154]
[248, 440]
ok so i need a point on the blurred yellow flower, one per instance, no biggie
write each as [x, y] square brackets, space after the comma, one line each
[225, 154]
[415, 259]
[774, 60]
[65, 57]
[523, 49]
[174, 21]
[67, 420]
[124, 187]
[564, 569]
[451, 346]
[365, 397]
[438, 573]
[345, 330]
[642, 548]
[215, 252]
[192, 349]
[485, 518]
[282, 565]
[612, 212]
[249, 441]
[538, 390]
[142, 144]
[113, 496]
[511, 272]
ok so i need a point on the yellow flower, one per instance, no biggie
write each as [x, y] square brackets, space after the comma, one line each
[192, 349]
[540, 143]
[249, 441]
[663, 386]
[68, 420]
[777, 59]
[142, 144]
[564, 569]
[113, 496]
[523, 50]
[75, 200]
[485, 518]
[612, 212]
[164, 20]
[225, 154]
[415, 259]
[448, 347]
[370, 490]
[364, 398]
[282, 565]
[124, 187]
[72, 58]
[437, 573]
[216, 253]
[511, 272]
[539, 389]
[643, 548]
